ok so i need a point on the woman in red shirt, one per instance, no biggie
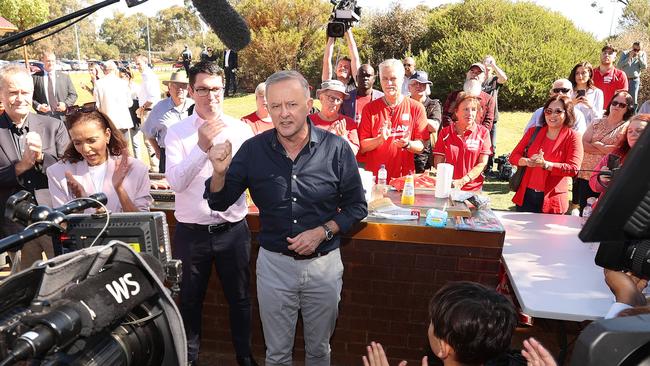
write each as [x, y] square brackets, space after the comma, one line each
[553, 157]
[464, 144]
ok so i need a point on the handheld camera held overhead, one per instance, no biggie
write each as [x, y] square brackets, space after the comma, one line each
[344, 15]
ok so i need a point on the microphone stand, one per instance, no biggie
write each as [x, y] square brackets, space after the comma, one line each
[89, 10]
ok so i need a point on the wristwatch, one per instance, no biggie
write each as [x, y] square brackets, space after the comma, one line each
[328, 232]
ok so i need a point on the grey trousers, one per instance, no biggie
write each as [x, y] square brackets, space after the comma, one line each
[286, 286]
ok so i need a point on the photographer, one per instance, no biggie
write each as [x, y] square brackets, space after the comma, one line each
[633, 62]
[346, 67]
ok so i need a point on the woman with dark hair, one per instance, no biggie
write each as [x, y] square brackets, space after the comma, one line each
[464, 144]
[585, 92]
[634, 129]
[97, 161]
[600, 139]
[554, 155]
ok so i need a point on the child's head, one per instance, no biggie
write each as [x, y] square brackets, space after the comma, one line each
[470, 323]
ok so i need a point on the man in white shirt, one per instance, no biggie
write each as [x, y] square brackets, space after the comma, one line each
[148, 96]
[113, 98]
[204, 237]
[561, 86]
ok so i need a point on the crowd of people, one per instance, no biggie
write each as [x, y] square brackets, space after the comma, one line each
[300, 165]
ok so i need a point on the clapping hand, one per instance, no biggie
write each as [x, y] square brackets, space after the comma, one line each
[537, 160]
[122, 168]
[377, 357]
[536, 354]
[34, 145]
[385, 130]
[74, 186]
[339, 128]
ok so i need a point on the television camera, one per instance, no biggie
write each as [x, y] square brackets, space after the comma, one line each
[344, 15]
[101, 304]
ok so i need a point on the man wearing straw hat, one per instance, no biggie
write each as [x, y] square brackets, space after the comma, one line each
[167, 112]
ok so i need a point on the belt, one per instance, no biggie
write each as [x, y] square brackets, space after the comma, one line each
[534, 190]
[300, 257]
[213, 228]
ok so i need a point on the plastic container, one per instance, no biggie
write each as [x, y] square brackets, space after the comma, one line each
[436, 218]
[408, 194]
[382, 175]
[586, 212]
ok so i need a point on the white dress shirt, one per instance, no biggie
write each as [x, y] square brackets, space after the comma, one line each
[149, 88]
[113, 98]
[188, 167]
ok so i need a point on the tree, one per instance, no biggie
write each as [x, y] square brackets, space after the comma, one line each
[636, 13]
[533, 45]
[127, 33]
[285, 34]
[392, 34]
[24, 14]
[171, 24]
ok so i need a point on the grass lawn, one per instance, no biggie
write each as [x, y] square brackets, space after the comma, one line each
[509, 131]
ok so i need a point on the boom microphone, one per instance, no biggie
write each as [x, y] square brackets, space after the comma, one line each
[95, 305]
[229, 26]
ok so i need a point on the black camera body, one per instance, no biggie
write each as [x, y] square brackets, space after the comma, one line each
[504, 168]
[344, 15]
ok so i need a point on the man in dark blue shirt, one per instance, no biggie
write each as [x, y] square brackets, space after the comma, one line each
[306, 184]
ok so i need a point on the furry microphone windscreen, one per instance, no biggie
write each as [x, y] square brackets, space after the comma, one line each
[224, 20]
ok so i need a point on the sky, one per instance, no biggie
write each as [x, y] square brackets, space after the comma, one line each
[583, 13]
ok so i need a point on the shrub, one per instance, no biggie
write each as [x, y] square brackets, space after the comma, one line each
[533, 45]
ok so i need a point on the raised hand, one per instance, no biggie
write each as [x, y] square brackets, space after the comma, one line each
[74, 186]
[536, 354]
[207, 132]
[122, 168]
[220, 156]
[385, 130]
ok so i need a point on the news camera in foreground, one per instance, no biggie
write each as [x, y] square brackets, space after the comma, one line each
[621, 223]
[344, 15]
[99, 304]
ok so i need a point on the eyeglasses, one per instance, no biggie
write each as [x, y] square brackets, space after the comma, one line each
[556, 112]
[84, 108]
[334, 100]
[561, 90]
[203, 92]
[618, 104]
[408, 65]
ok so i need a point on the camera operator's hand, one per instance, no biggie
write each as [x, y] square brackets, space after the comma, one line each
[74, 186]
[626, 287]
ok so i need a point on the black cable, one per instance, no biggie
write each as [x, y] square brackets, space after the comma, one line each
[45, 36]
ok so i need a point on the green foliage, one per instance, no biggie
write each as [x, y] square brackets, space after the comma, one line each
[127, 33]
[171, 24]
[24, 14]
[533, 45]
[635, 14]
[285, 34]
[392, 34]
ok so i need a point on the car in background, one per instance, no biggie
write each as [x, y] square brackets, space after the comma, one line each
[62, 66]
[3, 62]
[126, 64]
[34, 66]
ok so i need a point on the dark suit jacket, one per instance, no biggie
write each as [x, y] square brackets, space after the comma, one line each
[232, 60]
[55, 139]
[64, 91]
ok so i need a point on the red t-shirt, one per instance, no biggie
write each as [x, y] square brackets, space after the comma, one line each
[464, 152]
[538, 175]
[256, 124]
[609, 82]
[408, 119]
[359, 105]
[350, 126]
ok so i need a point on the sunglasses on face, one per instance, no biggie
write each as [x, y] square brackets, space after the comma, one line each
[550, 111]
[84, 108]
[561, 90]
[408, 65]
[619, 104]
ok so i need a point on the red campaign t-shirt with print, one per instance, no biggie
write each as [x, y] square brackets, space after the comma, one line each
[407, 119]
[256, 124]
[464, 152]
[350, 126]
[360, 104]
[609, 83]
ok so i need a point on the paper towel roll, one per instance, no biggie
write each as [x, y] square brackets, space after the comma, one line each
[444, 177]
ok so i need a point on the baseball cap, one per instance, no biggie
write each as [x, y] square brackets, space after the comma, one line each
[421, 76]
[479, 65]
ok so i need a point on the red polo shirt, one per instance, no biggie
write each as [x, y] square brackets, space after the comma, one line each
[463, 152]
[350, 126]
[609, 82]
[256, 124]
[407, 119]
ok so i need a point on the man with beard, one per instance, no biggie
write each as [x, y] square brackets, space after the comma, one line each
[476, 72]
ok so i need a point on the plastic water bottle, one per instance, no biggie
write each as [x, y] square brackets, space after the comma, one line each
[586, 212]
[382, 175]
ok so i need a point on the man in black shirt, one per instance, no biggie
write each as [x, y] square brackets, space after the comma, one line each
[306, 184]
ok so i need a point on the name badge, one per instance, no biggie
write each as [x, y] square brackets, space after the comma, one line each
[406, 117]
